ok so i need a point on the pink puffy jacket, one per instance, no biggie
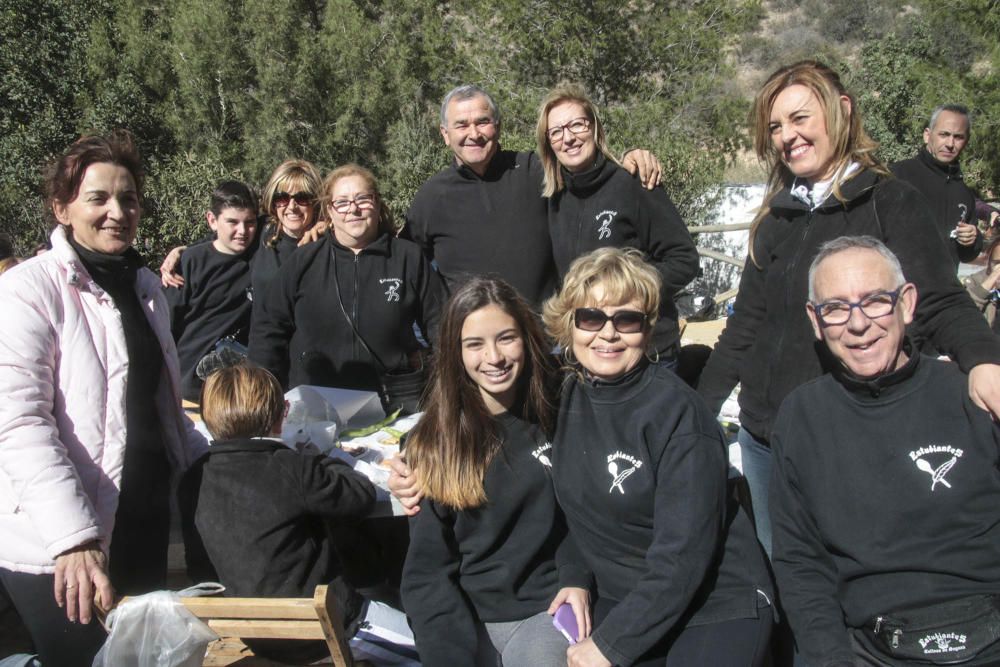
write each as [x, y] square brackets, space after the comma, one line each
[63, 367]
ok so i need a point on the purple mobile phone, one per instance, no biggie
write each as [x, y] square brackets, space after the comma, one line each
[565, 622]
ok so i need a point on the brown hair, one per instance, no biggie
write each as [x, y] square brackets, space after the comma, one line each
[8, 263]
[385, 224]
[622, 273]
[848, 139]
[564, 92]
[63, 177]
[241, 401]
[457, 438]
[298, 175]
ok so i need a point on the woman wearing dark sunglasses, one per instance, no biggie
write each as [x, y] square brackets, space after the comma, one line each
[593, 203]
[290, 202]
[640, 471]
[342, 310]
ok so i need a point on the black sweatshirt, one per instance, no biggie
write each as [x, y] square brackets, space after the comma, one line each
[641, 473]
[264, 513]
[267, 260]
[503, 561]
[605, 206]
[768, 344]
[300, 333]
[863, 524]
[494, 225]
[948, 197]
[214, 303]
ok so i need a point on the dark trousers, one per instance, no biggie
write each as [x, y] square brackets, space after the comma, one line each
[741, 642]
[58, 642]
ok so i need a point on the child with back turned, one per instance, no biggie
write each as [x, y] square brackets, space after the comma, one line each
[267, 513]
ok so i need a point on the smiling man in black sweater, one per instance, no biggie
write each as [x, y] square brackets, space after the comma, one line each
[886, 494]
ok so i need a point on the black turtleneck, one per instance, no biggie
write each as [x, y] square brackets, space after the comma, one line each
[884, 497]
[604, 206]
[142, 519]
[950, 199]
[640, 471]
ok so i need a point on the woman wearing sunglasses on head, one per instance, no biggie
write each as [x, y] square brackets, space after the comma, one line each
[593, 203]
[640, 471]
[341, 311]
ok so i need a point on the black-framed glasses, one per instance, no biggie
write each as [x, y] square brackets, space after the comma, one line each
[874, 306]
[363, 202]
[575, 126]
[624, 321]
[282, 199]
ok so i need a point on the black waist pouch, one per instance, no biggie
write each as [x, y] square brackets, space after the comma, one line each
[948, 633]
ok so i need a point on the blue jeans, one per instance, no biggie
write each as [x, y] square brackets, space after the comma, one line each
[757, 465]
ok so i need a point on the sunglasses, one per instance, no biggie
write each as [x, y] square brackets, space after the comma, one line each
[282, 199]
[624, 321]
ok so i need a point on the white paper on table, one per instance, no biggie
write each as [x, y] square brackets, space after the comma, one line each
[319, 414]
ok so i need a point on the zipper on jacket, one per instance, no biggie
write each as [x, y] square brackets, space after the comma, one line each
[354, 309]
[896, 635]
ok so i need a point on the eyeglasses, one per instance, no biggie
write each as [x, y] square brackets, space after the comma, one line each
[874, 306]
[575, 126]
[624, 321]
[282, 199]
[363, 202]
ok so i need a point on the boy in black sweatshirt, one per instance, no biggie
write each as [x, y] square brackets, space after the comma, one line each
[886, 489]
[216, 297]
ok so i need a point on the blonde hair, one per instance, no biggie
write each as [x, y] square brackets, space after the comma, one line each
[623, 275]
[565, 91]
[300, 175]
[8, 263]
[844, 127]
[241, 401]
[385, 223]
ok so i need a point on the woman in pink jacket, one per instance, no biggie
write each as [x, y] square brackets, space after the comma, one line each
[91, 426]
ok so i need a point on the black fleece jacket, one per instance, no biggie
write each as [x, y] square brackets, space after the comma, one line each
[490, 225]
[605, 206]
[641, 473]
[950, 200]
[768, 344]
[885, 496]
[503, 561]
[264, 513]
[300, 333]
[214, 302]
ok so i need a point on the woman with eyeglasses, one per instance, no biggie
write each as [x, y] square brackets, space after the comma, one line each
[593, 203]
[341, 311]
[826, 182]
[640, 471]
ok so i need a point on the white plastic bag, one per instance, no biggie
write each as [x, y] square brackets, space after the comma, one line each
[154, 630]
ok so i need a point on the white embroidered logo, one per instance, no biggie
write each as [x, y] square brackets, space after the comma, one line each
[619, 475]
[939, 471]
[392, 292]
[605, 218]
[941, 642]
[542, 456]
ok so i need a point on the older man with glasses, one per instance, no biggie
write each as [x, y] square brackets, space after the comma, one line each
[885, 500]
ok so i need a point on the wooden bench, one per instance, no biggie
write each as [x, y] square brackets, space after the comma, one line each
[270, 618]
